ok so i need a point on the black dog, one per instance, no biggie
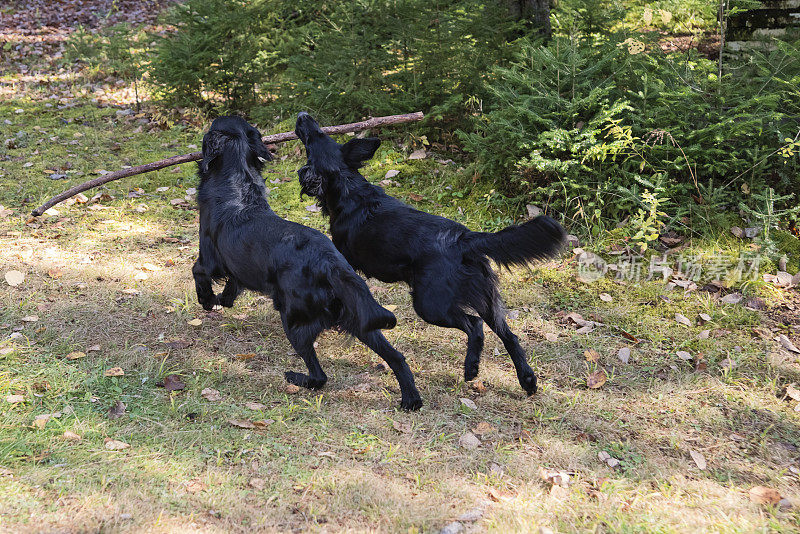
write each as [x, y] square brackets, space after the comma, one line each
[445, 263]
[311, 284]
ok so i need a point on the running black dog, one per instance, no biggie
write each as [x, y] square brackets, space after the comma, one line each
[445, 263]
[311, 284]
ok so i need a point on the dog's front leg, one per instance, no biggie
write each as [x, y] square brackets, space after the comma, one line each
[229, 294]
[202, 284]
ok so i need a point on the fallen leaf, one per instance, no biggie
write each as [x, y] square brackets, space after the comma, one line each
[787, 344]
[591, 355]
[93, 348]
[605, 297]
[704, 334]
[597, 379]
[55, 274]
[245, 357]
[75, 355]
[211, 395]
[194, 485]
[71, 436]
[391, 173]
[292, 389]
[173, 383]
[404, 428]
[178, 344]
[415, 197]
[257, 483]
[469, 441]
[195, 322]
[624, 354]
[14, 278]
[585, 329]
[391, 307]
[683, 355]
[469, 403]
[242, 423]
[483, 428]
[418, 154]
[682, 319]
[116, 410]
[704, 317]
[477, 385]
[115, 445]
[727, 364]
[114, 371]
[533, 211]
[263, 423]
[732, 298]
[255, 406]
[313, 208]
[551, 337]
[737, 232]
[699, 459]
[792, 392]
[764, 495]
[30, 318]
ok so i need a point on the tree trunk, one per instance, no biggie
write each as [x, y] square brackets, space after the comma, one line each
[536, 13]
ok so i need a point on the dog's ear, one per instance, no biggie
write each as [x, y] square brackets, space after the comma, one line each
[356, 151]
[213, 143]
[310, 181]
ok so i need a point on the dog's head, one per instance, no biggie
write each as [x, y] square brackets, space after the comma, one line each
[327, 159]
[236, 135]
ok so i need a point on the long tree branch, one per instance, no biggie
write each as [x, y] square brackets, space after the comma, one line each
[374, 122]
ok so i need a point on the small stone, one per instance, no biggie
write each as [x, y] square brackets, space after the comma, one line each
[452, 528]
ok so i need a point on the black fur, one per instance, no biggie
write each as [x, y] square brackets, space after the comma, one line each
[243, 241]
[443, 261]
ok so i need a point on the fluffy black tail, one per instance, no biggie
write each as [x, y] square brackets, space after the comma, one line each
[361, 311]
[536, 239]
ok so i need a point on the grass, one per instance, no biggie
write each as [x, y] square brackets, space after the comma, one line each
[346, 459]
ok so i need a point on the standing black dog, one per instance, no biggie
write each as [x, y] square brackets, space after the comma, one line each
[311, 284]
[445, 263]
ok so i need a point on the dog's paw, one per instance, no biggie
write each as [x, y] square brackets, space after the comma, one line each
[528, 382]
[411, 404]
[303, 380]
[208, 304]
[470, 370]
[226, 302]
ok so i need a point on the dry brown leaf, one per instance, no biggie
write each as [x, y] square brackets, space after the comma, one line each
[71, 436]
[591, 355]
[478, 385]
[150, 267]
[257, 483]
[420, 153]
[195, 322]
[391, 307]
[764, 495]
[787, 344]
[704, 334]
[682, 319]
[483, 428]
[116, 410]
[683, 355]
[194, 485]
[605, 297]
[14, 399]
[211, 395]
[115, 445]
[173, 383]
[93, 348]
[245, 357]
[597, 379]
[114, 371]
[292, 389]
[551, 337]
[624, 354]
[75, 355]
[792, 392]
[699, 459]
[14, 278]
[255, 406]
[242, 423]
[55, 274]
[469, 441]
[263, 423]
[469, 403]
[732, 298]
[30, 318]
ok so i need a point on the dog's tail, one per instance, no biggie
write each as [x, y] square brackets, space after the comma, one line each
[537, 239]
[361, 310]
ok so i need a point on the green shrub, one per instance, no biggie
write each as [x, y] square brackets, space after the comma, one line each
[224, 53]
[588, 127]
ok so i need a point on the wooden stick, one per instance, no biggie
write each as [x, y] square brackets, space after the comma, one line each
[374, 122]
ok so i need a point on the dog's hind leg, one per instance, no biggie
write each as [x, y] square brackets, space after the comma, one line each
[527, 379]
[229, 294]
[302, 340]
[431, 306]
[202, 284]
[410, 399]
